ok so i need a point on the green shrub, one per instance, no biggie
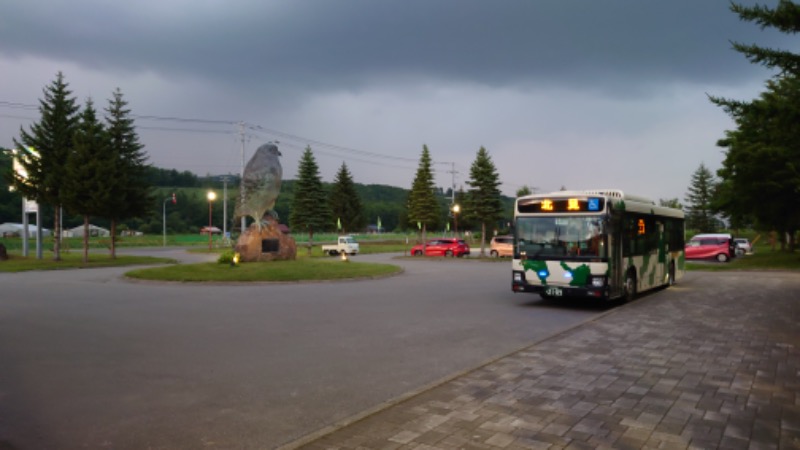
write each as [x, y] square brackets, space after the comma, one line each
[226, 257]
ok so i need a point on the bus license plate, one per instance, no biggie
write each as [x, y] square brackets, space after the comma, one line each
[554, 292]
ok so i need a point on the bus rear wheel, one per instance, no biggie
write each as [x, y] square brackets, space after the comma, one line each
[630, 286]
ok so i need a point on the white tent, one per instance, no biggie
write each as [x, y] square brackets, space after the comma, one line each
[10, 229]
[94, 231]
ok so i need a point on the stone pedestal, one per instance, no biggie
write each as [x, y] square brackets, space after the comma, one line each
[269, 244]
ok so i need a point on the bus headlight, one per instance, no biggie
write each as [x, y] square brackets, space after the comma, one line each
[518, 277]
[598, 282]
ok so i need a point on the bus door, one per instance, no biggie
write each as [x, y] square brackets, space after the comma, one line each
[616, 264]
[662, 267]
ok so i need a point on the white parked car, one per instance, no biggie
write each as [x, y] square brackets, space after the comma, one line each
[743, 246]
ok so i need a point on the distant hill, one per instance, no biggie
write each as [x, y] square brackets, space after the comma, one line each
[190, 213]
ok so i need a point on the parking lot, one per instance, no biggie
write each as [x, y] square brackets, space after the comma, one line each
[91, 359]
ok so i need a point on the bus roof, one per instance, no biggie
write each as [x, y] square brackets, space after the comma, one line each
[632, 202]
[610, 193]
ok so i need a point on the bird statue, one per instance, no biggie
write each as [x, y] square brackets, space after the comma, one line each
[261, 183]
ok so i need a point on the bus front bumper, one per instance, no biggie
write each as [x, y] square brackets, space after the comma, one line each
[519, 284]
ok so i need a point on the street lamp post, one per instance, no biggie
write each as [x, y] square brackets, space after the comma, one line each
[164, 216]
[224, 209]
[456, 210]
[211, 197]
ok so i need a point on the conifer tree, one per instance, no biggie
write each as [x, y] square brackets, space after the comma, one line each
[345, 202]
[310, 210]
[699, 215]
[45, 149]
[760, 176]
[130, 193]
[785, 17]
[86, 187]
[484, 202]
[423, 209]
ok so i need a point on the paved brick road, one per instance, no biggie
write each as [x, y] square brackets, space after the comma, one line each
[711, 363]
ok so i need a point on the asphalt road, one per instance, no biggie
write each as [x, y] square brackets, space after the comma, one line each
[89, 359]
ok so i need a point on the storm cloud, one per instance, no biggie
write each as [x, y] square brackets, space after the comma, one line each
[572, 93]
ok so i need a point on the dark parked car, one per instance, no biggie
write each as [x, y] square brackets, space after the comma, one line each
[442, 247]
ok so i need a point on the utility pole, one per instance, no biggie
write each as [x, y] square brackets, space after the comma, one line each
[453, 171]
[241, 184]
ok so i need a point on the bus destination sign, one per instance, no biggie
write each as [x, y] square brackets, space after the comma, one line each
[563, 205]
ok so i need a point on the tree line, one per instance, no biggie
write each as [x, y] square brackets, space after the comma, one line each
[78, 165]
[84, 165]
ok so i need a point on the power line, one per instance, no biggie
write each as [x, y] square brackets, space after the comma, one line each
[183, 130]
[343, 151]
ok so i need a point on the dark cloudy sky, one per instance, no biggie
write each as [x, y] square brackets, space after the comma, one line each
[574, 93]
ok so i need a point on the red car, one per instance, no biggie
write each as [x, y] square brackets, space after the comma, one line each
[710, 246]
[442, 247]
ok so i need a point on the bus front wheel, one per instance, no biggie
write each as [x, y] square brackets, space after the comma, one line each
[671, 279]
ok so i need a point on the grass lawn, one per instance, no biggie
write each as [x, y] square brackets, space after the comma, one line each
[304, 269]
[365, 248]
[764, 260]
[17, 263]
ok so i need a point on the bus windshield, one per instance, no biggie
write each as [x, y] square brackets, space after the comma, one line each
[561, 236]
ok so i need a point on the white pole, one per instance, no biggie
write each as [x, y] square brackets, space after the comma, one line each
[164, 216]
[224, 208]
[164, 220]
[25, 230]
[241, 186]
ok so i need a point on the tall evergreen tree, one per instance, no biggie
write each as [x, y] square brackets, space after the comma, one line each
[760, 176]
[130, 193]
[310, 210]
[10, 199]
[699, 214]
[423, 209]
[45, 150]
[345, 202]
[85, 190]
[785, 17]
[465, 221]
[484, 203]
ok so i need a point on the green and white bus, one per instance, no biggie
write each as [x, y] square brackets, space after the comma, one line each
[602, 244]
